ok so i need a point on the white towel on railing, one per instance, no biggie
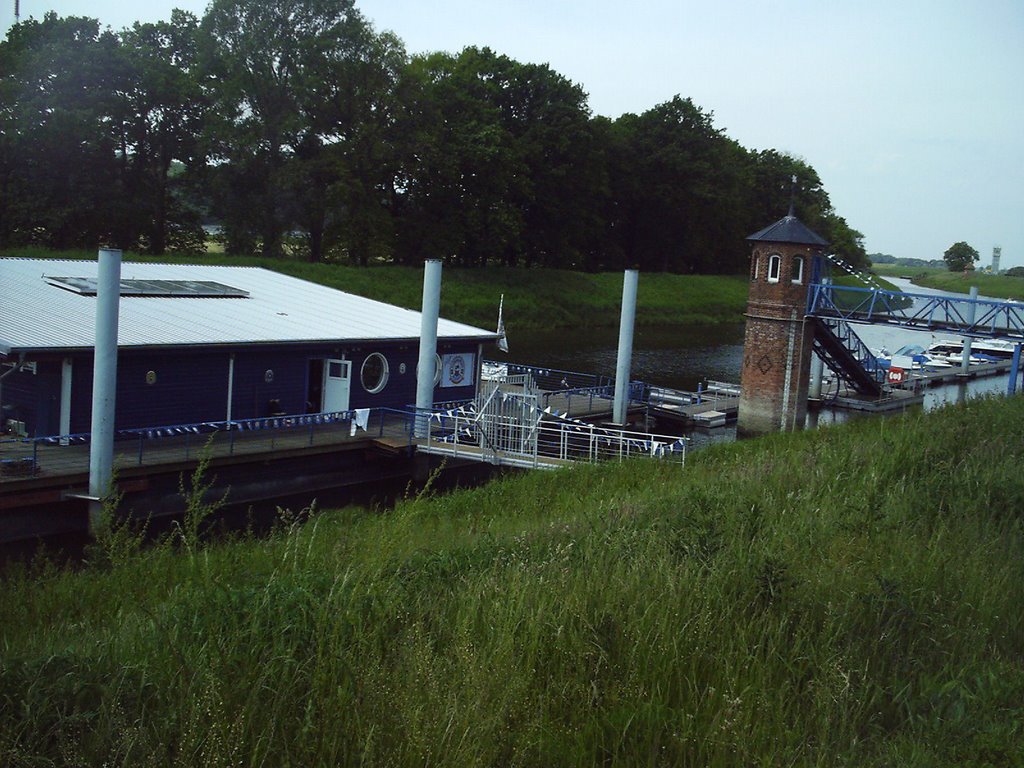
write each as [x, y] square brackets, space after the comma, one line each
[362, 417]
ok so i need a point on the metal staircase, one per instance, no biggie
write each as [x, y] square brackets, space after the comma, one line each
[847, 356]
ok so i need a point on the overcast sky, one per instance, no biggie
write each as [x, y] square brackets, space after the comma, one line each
[912, 111]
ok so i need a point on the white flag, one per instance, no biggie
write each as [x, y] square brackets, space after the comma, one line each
[502, 339]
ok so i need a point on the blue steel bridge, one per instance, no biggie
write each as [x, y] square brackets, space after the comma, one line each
[836, 309]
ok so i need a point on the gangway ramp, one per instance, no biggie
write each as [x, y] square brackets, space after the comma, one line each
[506, 426]
[551, 443]
[842, 350]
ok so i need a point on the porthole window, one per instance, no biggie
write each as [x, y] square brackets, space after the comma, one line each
[437, 369]
[798, 269]
[374, 373]
[774, 266]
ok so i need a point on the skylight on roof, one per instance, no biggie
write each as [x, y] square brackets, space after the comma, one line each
[205, 289]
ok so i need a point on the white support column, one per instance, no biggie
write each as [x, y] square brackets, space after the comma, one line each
[625, 358]
[817, 365]
[104, 382]
[231, 385]
[817, 373]
[431, 308]
[965, 362]
[65, 399]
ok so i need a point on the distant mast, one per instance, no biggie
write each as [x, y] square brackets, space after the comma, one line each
[17, 11]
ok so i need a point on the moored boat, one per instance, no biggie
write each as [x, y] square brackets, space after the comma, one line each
[985, 350]
[911, 357]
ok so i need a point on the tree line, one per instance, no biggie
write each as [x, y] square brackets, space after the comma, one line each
[298, 128]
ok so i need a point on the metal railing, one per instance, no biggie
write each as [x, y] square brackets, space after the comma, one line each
[545, 443]
[660, 397]
[991, 318]
[853, 344]
[551, 379]
[69, 454]
[593, 399]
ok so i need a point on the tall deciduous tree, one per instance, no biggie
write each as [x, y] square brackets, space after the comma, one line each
[499, 163]
[161, 115]
[960, 256]
[349, 163]
[462, 171]
[675, 182]
[257, 57]
[58, 174]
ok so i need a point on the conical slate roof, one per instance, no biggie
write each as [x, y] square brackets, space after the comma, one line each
[788, 229]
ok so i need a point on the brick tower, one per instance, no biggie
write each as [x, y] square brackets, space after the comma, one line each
[778, 344]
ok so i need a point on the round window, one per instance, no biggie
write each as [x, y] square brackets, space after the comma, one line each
[437, 369]
[374, 373]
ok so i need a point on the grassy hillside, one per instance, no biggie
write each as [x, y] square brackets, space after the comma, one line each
[896, 270]
[534, 298]
[849, 596]
[997, 286]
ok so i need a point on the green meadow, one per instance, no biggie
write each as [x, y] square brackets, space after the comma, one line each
[851, 596]
[996, 286]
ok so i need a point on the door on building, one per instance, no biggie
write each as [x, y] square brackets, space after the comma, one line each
[336, 385]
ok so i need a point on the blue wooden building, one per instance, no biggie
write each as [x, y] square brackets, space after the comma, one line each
[201, 343]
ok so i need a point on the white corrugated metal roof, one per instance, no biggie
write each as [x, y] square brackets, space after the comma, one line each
[36, 315]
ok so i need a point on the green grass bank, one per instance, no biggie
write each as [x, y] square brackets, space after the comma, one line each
[534, 298]
[996, 286]
[850, 596]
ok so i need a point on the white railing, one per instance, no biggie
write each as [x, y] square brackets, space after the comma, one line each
[546, 443]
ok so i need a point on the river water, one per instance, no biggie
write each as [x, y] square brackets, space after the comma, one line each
[676, 357]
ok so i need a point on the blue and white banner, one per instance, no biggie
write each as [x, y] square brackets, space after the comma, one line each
[458, 370]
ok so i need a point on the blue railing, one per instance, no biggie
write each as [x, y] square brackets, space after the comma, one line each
[856, 347]
[982, 318]
[22, 455]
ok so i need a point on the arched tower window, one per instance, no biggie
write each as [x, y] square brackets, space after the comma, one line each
[755, 265]
[774, 267]
[798, 269]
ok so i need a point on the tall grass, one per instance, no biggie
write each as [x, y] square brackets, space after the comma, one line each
[850, 596]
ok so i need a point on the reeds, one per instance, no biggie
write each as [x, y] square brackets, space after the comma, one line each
[850, 596]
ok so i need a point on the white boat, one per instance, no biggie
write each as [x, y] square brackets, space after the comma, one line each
[911, 357]
[985, 350]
